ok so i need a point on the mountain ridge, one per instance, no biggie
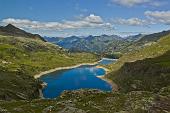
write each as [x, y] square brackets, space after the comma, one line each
[96, 44]
[11, 30]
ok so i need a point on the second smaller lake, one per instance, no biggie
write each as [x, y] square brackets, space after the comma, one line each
[106, 61]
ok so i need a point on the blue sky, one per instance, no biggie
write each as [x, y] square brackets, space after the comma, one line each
[86, 17]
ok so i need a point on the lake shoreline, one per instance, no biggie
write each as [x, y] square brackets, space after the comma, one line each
[106, 70]
[103, 77]
[58, 69]
[63, 68]
[114, 86]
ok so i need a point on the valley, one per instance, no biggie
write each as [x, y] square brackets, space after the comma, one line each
[21, 58]
[84, 56]
[141, 74]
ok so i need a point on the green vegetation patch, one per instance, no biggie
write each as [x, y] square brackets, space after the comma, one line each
[92, 101]
[22, 58]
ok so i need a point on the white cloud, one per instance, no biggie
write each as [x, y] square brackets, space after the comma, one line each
[131, 22]
[130, 3]
[152, 17]
[94, 19]
[159, 16]
[85, 22]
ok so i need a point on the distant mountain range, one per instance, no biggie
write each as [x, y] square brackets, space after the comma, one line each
[11, 30]
[97, 44]
[107, 43]
[104, 44]
[134, 38]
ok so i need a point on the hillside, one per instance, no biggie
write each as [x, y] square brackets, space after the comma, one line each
[143, 41]
[21, 58]
[144, 85]
[153, 37]
[150, 74]
[11, 30]
[150, 51]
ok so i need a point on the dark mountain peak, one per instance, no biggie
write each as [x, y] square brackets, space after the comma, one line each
[74, 36]
[134, 38]
[136, 35]
[90, 36]
[10, 26]
[11, 30]
[104, 35]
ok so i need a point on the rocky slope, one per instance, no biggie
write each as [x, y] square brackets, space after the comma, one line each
[95, 101]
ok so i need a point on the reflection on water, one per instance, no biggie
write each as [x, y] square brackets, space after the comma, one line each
[72, 79]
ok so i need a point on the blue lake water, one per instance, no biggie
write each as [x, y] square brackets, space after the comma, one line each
[77, 78]
[106, 61]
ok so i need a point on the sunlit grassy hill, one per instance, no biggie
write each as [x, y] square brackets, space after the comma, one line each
[34, 56]
[21, 58]
[144, 41]
[145, 69]
[155, 49]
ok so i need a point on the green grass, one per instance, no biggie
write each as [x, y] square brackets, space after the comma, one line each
[41, 57]
[144, 85]
[150, 74]
[21, 58]
[147, 69]
[154, 50]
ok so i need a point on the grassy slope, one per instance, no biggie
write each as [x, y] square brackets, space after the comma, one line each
[146, 75]
[34, 56]
[21, 58]
[133, 101]
[149, 74]
[144, 41]
[154, 50]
